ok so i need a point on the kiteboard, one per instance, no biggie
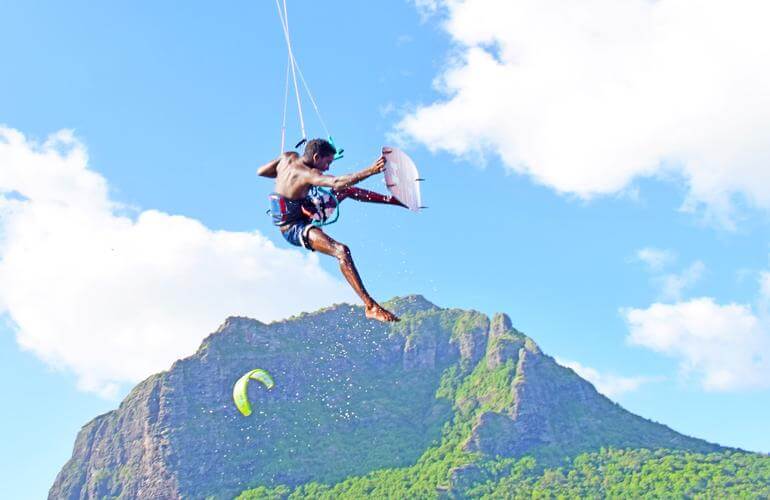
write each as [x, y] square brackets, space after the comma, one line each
[402, 178]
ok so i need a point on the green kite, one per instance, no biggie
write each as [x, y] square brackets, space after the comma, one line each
[240, 389]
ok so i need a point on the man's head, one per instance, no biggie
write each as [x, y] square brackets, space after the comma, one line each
[319, 153]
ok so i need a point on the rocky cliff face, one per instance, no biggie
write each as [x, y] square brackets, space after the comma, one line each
[351, 396]
[556, 411]
[125, 452]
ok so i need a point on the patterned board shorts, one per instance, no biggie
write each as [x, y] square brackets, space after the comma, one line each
[297, 234]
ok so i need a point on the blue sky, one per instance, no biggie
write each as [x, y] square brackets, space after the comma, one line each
[608, 191]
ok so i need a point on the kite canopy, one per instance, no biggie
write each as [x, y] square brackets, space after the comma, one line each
[402, 178]
[240, 389]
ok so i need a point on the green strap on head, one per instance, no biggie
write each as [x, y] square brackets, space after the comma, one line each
[339, 151]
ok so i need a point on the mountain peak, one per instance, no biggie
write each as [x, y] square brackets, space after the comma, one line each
[409, 304]
[234, 322]
[501, 323]
[351, 396]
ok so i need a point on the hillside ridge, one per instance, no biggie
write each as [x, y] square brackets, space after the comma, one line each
[352, 396]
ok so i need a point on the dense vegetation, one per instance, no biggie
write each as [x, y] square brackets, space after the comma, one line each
[446, 470]
[607, 473]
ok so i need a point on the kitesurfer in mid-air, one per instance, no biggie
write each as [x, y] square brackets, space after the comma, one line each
[292, 209]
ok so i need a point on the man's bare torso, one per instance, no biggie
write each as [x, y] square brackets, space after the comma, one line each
[291, 175]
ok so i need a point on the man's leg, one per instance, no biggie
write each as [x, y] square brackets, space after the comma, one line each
[321, 242]
[367, 196]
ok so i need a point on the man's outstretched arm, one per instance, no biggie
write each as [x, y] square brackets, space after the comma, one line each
[367, 196]
[343, 182]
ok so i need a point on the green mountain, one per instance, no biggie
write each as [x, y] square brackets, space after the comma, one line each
[445, 403]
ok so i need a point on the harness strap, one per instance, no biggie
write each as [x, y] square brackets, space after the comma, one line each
[285, 211]
[325, 221]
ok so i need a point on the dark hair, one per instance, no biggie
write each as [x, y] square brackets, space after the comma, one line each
[321, 147]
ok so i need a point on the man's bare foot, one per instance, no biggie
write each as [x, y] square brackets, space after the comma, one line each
[376, 311]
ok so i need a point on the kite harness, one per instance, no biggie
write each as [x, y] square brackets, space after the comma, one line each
[321, 207]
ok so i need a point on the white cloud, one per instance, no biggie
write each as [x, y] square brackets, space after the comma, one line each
[608, 384]
[585, 97]
[115, 298]
[404, 39]
[673, 285]
[655, 259]
[764, 285]
[387, 109]
[726, 347]
[426, 8]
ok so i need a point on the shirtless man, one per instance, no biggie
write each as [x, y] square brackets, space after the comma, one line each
[294, 176]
